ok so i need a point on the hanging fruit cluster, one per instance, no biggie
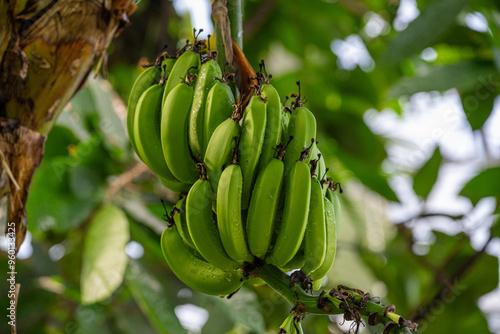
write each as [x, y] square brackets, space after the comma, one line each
[254, 176]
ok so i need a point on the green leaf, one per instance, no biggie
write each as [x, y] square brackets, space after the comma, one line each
[485, 184]
[242, 308]
[58, 142]
[115, 137]
[478, 104]
[426, 177]
[51, 204]
[464, 76]
[150, 295]
[92, 319]
[424, 31]
[104, 258]
[84, 182]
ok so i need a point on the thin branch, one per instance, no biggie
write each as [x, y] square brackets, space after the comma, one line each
[423, 310]
[221, 18]
[7, 170]
[125, 179]
[353, 303]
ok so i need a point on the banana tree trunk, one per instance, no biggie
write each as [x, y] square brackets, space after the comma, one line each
[47, 50]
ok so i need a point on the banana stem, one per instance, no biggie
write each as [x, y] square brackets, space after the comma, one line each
[352, 304]
[235, 16]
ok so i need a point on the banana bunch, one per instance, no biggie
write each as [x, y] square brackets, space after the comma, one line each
[252, 178]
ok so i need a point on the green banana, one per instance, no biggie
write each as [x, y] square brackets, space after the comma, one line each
[229, 220]
[263, 207]
[220, 149]
[297, 261]
[146, 132]
[294, 222]
[315, 235]
[175, 185]
[186, 64]
[272, 136]
[174, 123]
[202, 227]
[179, 216]
[204, 83]
[332, 220]
[302, 127]
[145, 80]
[291, 325]
[166, 66]
[252, 138]
[219, 107]
[195, 273]
[321, 167]
[287, 325]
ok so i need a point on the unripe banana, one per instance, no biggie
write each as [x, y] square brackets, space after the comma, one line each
[229, 220]
[302, 127]
[195, 273]
[202, 227]
[179, 217]
[320, 167]
[174, 124]
[294, 222]
[187, 64]
[272, 136]
[146, 132]
[220, 150]
[332, 224]
[219, 107]
[315, 235]
[291, 325]
[253, 130]
[204, 82]
[175, 185]
[166, 66]
[145, 80]
[287, 325]
[297, 261]
[263, 207]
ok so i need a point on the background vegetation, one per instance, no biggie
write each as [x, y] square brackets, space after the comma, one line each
[407, 118]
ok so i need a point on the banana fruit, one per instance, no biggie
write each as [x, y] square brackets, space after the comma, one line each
[174, 124]
[220, 149]
[295, 213]
[205, 80]
[264, 207]
[218, 107]
[272, 137]
[315, 235]
[229, 219]
[145, 80]
[195, 273]
[253, 130]
[302, 127]
[187, 64]
[252, 200]
[202, 227]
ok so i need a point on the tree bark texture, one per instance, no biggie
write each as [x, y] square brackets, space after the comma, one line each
[47, 50]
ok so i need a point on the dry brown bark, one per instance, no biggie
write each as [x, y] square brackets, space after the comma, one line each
[47, 50]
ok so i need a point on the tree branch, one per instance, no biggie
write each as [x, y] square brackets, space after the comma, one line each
[423, 310]
[353, 303]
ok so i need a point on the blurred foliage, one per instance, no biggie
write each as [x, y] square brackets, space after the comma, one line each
[84, 206]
